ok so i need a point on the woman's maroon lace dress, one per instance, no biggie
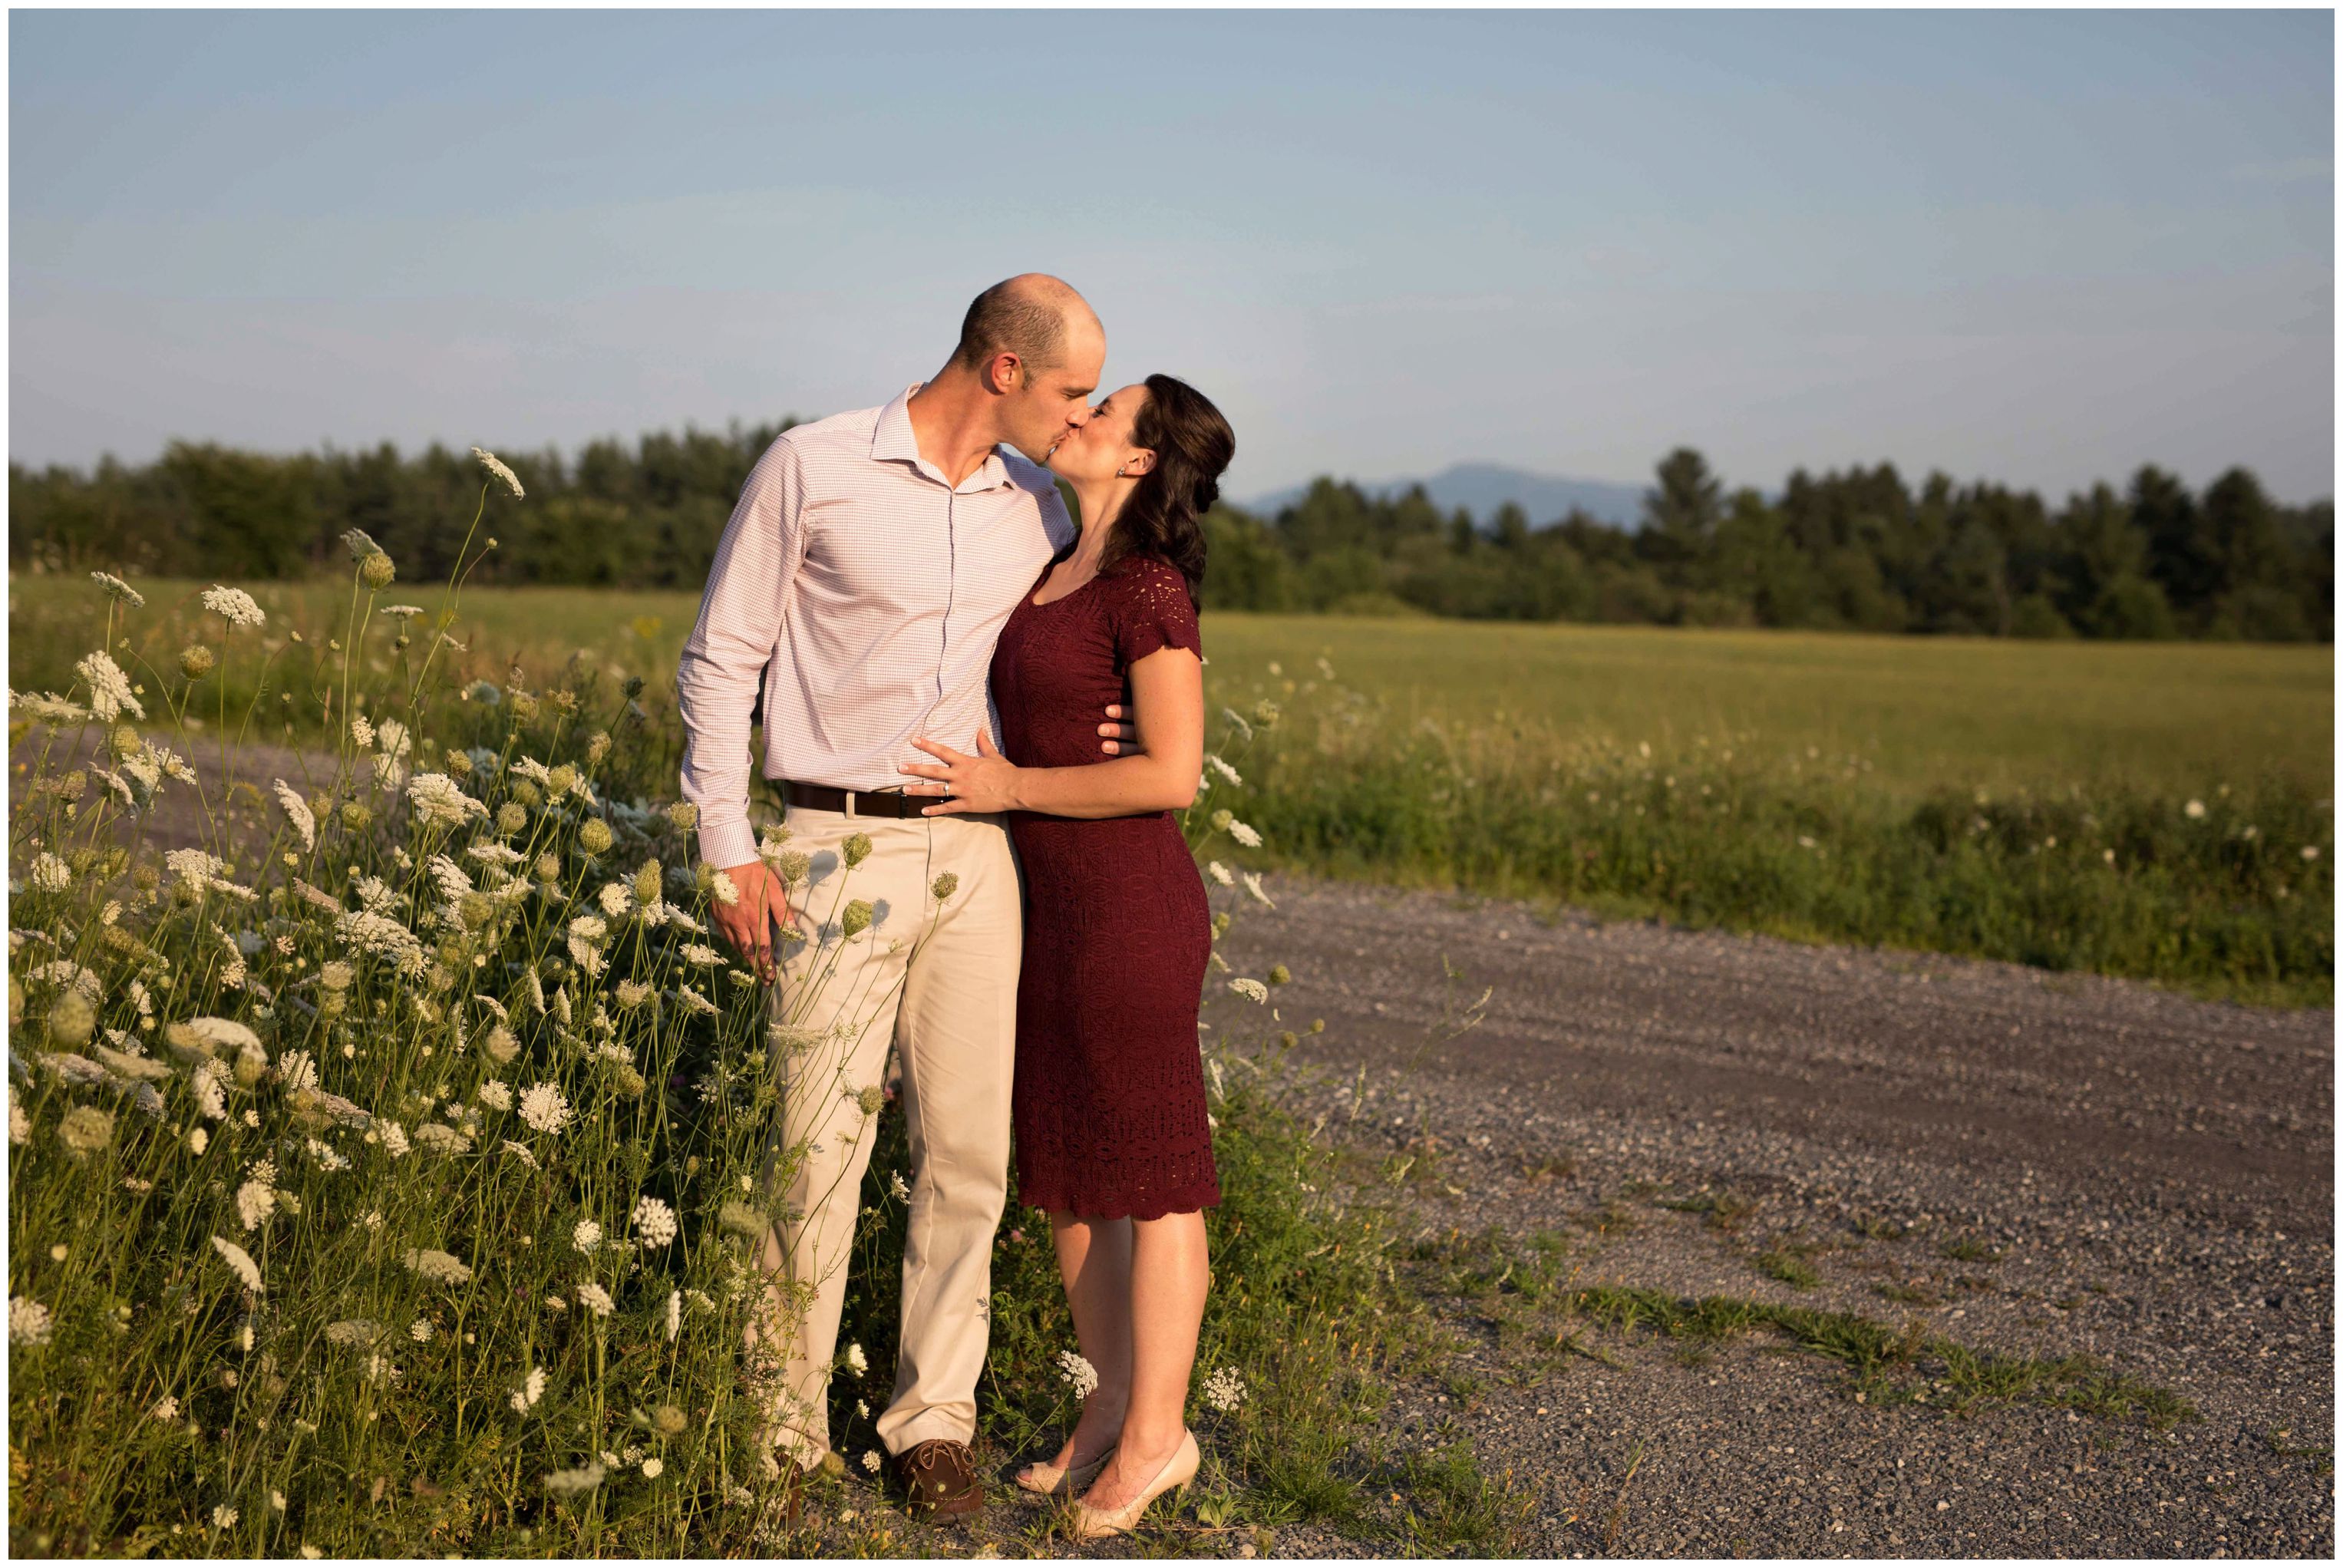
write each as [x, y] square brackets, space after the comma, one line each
[1108, 1098]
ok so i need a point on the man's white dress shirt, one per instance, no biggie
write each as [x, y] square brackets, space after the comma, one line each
[868, 593]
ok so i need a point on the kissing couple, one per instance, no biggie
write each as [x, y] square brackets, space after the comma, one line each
[896, 584]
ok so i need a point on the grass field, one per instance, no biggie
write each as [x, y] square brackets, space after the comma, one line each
[2159, 810]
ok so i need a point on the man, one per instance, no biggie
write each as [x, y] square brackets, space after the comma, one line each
[861, 581]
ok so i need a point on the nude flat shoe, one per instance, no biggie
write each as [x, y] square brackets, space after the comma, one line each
[1043, 1479]
[1091, 1524]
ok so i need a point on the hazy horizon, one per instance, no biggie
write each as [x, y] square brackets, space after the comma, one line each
[2039, 248]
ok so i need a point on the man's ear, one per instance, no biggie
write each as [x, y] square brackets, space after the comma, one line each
[1002, 373]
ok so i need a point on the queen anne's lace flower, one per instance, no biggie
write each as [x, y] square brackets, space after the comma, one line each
[50, 874]
[439, 1268]
[1252, 886]
[503, 475]
[109, 689]
[1250, 989]
[654, 1221]
[543, 1106]
[1219, 874]
[297, 812]
[1079, 1375]
[595, 1299]
[437, 799]
[586, 1237]
[234, 605]
[29, 1322]
[1244, 835]
[241, 1262]
[531, 1389]
[1225, 1390]
[117, 588]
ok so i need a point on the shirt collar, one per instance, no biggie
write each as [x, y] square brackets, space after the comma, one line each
[894, 442]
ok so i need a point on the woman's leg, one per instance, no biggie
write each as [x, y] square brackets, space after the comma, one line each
[1166, 1307]
[1095, 1261]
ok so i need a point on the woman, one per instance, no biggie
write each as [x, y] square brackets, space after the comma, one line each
[1108, 1098]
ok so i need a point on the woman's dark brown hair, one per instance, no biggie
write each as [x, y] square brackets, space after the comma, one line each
[1166, 515]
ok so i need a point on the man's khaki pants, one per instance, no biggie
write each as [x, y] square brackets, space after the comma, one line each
[940, 980]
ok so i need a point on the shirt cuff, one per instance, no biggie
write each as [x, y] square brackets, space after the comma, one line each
[725, 845]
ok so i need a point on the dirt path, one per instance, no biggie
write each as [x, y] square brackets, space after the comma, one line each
[2074, 1165]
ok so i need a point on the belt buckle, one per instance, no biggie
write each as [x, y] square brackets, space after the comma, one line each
[850, 802]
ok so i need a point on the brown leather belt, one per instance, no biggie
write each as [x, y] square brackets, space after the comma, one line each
[890, 803]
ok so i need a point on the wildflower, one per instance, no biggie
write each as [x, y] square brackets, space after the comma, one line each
[1250, 989]
[616, 899]
[71, 1019]
[1265, 713]
[439, 799]
[595, 1299]
[723, 888]
[1252, 887]
[393, 1138]
[196, 661]
[359, 545]
[633, 993]
[51, 874]
[1225, 1390]
[166, 1409]
[895, 1185]
[652, 1468]
[1279, 974]
[742, 1220]
[856, 920]
[586, 1237]
[109, 689]
[1237, 722]
[255, 1201]
[85, 1130]
[1078, 1373]
[29, 1322]
[674, 1327]
[234, 605]
[870, 1460]
[856, 1362]
[494, 1095]
[694, 1002]
[2195, 809]
[569, 1483]
[297, 1070]
[198, 1140]
[594, 836]
[543, 1106]
[1220, 873]
[2310, 851]
[511, 481]
[1247, 836]
[353, 1331]
[441, 1140]
[701, 954]
[654, 1221]
[531, 1389]
[376, 572]
[439, 1268]
[1223, 768]
[522, 1152]
[684, 815]
[241, 1262]
[224, 1517]
[419, 1331]
[501, 1044]
[20, 1126]
[117, 588]
[383, 936]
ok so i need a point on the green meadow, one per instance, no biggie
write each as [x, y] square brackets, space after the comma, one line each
[2156, 811]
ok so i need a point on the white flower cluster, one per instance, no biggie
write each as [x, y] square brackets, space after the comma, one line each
[1079, 1375]
[1225, 1390]
[233, 604]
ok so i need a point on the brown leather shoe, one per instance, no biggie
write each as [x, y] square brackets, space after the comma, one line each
[939, 1477]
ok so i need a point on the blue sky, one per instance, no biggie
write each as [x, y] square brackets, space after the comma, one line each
[2037, 247]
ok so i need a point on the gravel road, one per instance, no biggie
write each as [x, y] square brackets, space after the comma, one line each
[2114, 1168]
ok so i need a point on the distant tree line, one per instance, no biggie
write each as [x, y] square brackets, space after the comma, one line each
[1857, 550]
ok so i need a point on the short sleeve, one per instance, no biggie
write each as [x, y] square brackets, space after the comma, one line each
[1155, 613]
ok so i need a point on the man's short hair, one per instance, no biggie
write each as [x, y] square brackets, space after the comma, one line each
[1008, 318]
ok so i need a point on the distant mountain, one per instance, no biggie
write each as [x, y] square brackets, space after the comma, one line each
[1482, 487]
